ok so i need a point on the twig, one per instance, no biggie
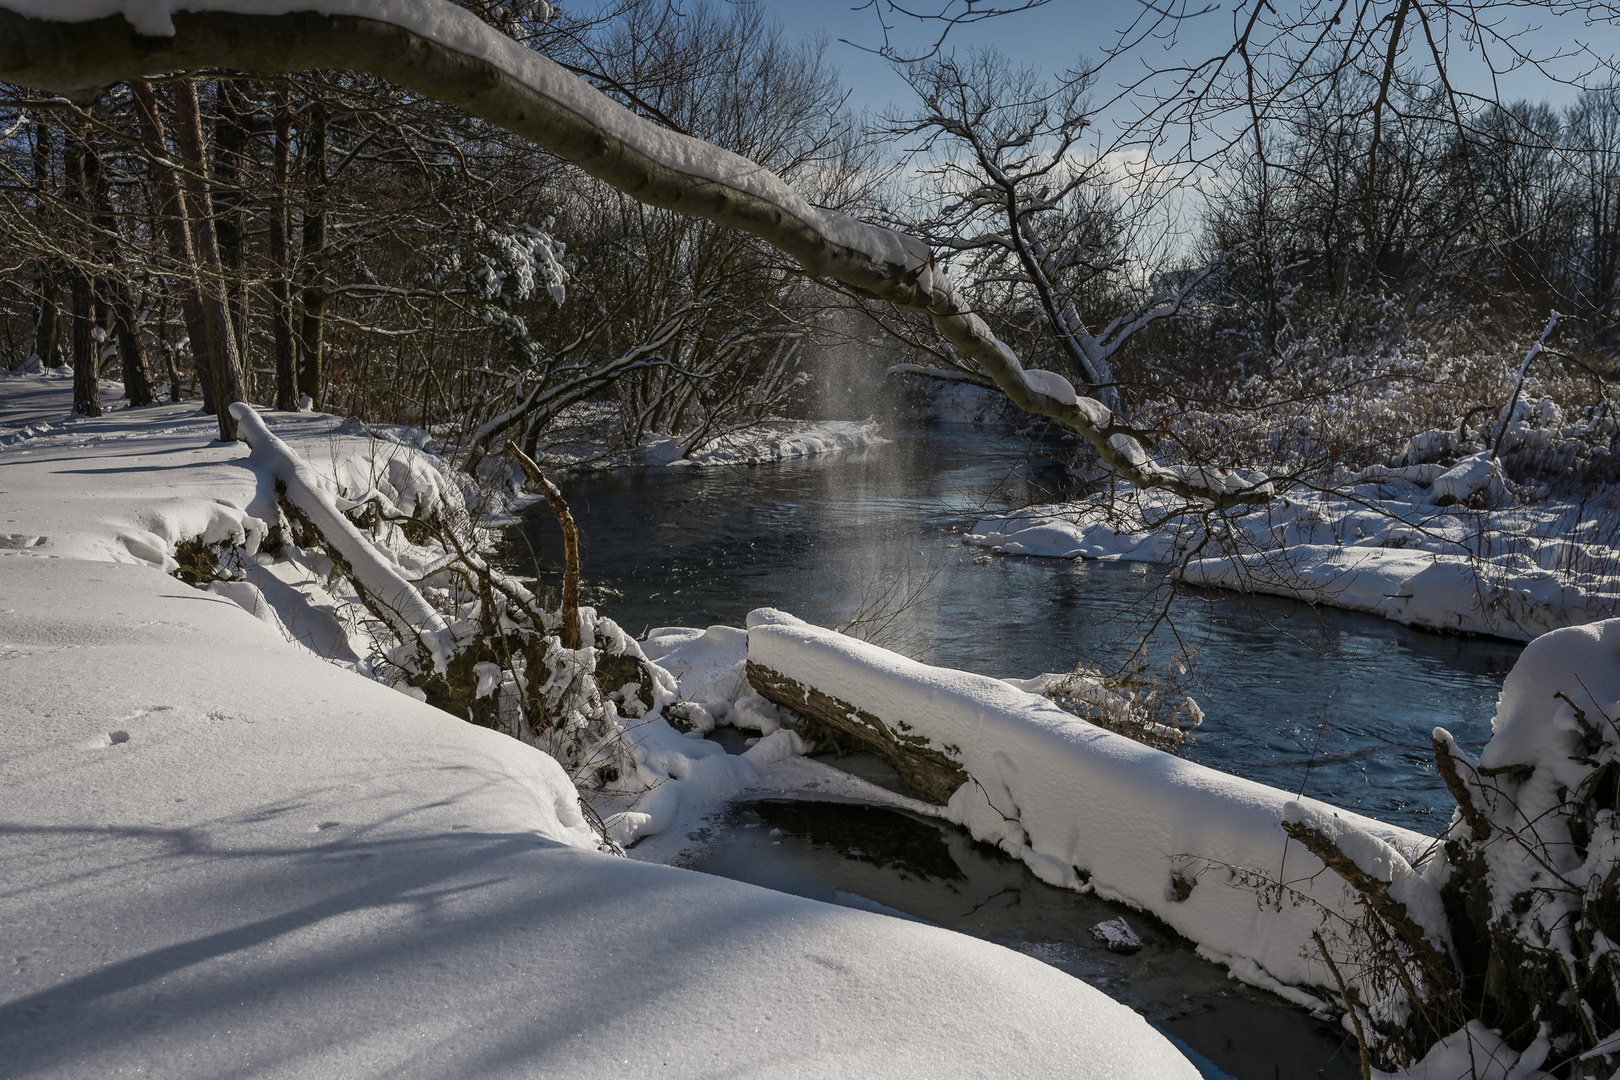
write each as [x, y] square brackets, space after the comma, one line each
[1524, 369]
[554, 498]
[1344, 996]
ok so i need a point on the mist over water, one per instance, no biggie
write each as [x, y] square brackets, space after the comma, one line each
[1338, 705]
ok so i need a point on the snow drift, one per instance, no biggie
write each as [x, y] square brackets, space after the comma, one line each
[224, 856]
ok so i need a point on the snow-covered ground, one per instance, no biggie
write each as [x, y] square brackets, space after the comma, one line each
[223, 855]
[1443, 548]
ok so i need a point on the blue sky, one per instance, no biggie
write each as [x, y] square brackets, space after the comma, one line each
[1059, 34]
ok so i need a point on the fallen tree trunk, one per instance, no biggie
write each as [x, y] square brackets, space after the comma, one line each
[932, 774]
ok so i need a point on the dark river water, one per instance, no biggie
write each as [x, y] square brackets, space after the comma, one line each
[1337, 705]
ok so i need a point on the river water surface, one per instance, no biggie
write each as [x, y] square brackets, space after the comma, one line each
[1333, 704]
[1337, 705]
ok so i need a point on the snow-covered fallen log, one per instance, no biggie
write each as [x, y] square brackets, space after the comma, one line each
[386, 590]
[1085, 808]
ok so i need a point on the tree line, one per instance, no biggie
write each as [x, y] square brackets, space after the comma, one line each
[328, 239]
[331, 240]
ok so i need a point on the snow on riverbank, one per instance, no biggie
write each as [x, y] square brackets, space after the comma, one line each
[1421, 545]
[225, 856]
[575, 441]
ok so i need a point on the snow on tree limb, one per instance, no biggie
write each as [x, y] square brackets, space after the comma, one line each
[78, 47]
[386, 591]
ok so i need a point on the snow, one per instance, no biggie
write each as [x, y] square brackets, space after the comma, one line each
[1117, 935]
[1582, 663]
[1051, 384]
[1412, 544]
[1480, 474]
[1381, 862]
[224, 855]
[1084, 808]
[366, 562]
[784, 439]
[1471, 1053]
[575, 440]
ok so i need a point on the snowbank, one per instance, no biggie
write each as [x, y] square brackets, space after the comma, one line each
[1084, 808]
[223, 855]
[575, 441]
[1405, 544]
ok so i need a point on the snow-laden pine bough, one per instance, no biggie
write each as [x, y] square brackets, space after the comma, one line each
[80, 47]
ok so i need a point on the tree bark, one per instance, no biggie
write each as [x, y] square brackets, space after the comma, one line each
[86, 355]
[113, 288]
[230, 140]
[223, 360]
[280, 286]
[47, 286]
[932, 774]
[565, 521]
[312, 298]
[171, 210]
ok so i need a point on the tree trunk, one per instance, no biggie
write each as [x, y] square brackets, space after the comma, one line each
[86, 388]
[224, 362]
[230, 140]
[565, 521]
[113, 288]
[280, 286]
[313, 296]
[177, 230]
[48, 320]
[47, 287]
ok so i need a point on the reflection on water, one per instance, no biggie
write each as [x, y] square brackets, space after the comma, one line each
[899, 864]
[1335, 704]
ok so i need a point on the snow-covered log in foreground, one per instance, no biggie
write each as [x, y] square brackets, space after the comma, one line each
[78, 47]
[1202, 850]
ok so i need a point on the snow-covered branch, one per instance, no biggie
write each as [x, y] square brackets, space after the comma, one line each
[389, 594]
[78, 47]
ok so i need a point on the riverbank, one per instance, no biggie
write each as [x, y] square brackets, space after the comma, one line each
[1449, 549]
[574, 441]
[226, 855]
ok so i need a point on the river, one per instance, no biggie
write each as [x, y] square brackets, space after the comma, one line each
[1334, 704]
[1337, 705]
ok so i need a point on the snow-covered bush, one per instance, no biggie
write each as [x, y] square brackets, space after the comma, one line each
[1515, 930]
[383, 540]
[1141, 704]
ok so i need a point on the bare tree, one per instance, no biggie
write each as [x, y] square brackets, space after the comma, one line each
[1040, 225]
